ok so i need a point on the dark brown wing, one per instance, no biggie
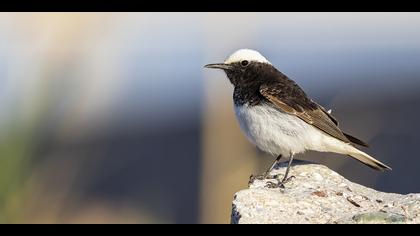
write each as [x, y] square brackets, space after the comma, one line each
[332, 118]
[291, 99]
[348, 136]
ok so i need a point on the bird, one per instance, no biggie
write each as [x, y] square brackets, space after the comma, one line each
[277, 116]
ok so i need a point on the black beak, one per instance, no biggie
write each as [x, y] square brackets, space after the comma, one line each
[219, 66]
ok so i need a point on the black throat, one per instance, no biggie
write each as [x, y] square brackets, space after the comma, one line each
[247, 82]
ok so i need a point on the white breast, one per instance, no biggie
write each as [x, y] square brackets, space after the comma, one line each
[277, 133]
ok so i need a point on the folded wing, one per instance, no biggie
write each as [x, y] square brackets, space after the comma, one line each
[296, 103]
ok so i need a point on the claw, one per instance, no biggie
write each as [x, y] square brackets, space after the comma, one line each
[251, 180]
[288, 179]
[281, 183]
[271, 185]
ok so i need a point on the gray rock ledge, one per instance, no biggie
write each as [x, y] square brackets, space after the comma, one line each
[320, 195]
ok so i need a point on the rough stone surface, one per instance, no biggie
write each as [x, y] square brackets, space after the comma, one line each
[320, 195]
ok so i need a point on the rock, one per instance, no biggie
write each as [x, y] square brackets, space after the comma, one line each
[320, 195]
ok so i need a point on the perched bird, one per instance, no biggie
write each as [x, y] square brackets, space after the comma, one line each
[279, 118]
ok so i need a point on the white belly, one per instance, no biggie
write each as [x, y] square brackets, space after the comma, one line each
[280, 133]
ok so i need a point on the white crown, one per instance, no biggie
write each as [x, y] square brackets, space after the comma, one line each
[246, 54]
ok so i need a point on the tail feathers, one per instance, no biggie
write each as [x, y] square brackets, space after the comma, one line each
[368, 160]
[355, 140]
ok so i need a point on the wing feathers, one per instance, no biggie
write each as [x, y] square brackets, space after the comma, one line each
[317, 117]
[356, 140]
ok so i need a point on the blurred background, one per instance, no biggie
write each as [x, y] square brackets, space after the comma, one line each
[111, 118]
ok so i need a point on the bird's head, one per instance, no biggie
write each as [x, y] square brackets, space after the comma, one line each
[243, 66]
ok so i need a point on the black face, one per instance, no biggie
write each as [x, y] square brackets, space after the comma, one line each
[249, 76]
[249, 73]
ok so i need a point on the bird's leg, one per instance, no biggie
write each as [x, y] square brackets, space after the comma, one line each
[268, 171]
[266, 174]
[285, 178]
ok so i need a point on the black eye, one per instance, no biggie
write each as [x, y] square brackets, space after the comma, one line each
[244, 63]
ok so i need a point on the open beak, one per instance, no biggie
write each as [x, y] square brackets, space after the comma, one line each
[219, 66]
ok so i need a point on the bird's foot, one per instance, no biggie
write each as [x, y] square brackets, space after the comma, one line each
[271, 185]
[279, 184]
[264, 176]
[288, 179]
